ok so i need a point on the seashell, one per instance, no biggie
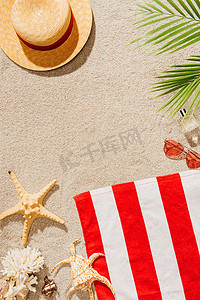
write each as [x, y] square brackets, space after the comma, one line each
[49, 287]
[3, 287]
[23, 295]
[82, 272]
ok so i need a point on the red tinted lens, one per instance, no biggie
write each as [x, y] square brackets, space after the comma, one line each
[193, 160]
[173, 149]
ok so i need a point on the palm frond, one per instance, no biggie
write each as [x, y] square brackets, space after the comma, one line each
[184, 80]
[176, 26]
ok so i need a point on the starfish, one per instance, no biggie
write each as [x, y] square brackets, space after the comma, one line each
[83, 274]
[30, 206]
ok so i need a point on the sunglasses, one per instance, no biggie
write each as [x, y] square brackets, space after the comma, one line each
[175, 150]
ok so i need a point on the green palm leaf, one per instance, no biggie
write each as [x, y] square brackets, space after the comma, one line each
[184, 80]
[176, 25]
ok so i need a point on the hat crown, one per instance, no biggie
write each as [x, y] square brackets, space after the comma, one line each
[41, 22]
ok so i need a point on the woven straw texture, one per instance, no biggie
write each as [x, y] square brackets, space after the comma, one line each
[45, 60]
[41, 22]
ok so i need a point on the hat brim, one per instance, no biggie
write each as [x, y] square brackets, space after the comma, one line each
[39, 60]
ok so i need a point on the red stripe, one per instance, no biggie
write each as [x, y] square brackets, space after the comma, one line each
[93, 241]
[137, 242]
[182, 234]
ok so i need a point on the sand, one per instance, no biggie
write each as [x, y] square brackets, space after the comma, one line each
[72, 124]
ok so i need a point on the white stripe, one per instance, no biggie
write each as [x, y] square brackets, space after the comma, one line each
[160, 239]
[191, 187]
[114, 244]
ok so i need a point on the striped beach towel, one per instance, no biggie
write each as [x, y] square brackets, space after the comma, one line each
[149, 231]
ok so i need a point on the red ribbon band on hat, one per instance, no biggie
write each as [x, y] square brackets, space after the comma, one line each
[57, 43]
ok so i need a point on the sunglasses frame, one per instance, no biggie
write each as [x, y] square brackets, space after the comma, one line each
[186, 151]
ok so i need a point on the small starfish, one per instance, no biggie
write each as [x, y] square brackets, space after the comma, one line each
[30, 206]
[83, 274]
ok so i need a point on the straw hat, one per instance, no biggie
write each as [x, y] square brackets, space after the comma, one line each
[43, 35]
